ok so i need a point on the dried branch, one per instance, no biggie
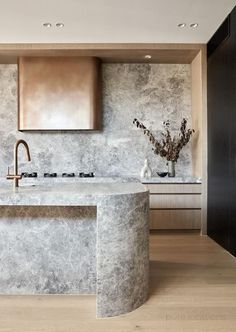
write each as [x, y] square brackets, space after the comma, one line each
[168, 147]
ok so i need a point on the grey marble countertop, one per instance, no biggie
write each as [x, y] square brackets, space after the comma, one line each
[113, 179]
[171, 180]
[65, 194]
[49, 181]
[75, 191]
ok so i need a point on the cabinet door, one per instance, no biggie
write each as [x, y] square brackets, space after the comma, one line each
[175, 219]
[219, 145]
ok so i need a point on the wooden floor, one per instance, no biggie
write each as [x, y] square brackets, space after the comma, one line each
[193, 288]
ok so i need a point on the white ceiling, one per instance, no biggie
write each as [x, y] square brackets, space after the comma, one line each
[111, 21]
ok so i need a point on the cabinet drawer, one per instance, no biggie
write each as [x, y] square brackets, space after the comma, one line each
[175, 201]
[174, 188]
[175, 219]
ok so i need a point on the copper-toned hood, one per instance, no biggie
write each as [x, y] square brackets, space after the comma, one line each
[59, 93]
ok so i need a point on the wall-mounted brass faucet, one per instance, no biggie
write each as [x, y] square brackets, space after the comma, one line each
[16, 177]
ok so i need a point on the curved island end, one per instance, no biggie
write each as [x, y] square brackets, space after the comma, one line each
[120, 259]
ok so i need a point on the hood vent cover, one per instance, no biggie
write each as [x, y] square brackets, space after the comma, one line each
[59, 93]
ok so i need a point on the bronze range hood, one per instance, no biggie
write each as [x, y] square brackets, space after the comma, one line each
[59, 93]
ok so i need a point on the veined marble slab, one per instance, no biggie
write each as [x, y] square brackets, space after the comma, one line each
[77, 238]
[40, 180]
[66, 194]
[50, 181]
[47, 250]
[152, 93]
[167, 179]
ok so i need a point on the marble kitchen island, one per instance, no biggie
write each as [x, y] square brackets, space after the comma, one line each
[77, 238]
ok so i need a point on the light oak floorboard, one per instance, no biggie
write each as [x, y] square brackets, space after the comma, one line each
[193, 289]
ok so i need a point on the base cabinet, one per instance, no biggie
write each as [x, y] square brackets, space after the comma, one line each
[175, 206]
[175, 219]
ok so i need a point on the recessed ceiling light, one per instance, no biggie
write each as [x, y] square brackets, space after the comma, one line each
[194, 25]
[60, 25]
[147, 56]
[182, 25]
[47, 25]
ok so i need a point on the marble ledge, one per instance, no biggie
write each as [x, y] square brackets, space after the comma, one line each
[63, 180]
[66, 194]
[112, 179]
[169, 180]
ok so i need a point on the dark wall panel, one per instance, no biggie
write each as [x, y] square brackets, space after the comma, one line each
[222, 141]
[231, 45]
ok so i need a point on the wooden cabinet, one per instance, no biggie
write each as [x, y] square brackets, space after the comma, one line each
[177, 201]
[175, 206]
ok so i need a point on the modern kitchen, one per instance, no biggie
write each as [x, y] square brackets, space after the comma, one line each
[117, 167]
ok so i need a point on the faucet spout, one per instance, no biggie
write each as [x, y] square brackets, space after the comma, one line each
[16, 148]
[16, 177]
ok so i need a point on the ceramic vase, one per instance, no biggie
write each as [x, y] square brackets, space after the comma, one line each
[171, 168]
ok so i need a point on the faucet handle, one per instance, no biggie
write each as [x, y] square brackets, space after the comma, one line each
[12, 176]
[9, 176]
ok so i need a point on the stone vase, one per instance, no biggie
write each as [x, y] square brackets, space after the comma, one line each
[146, 171]
[171, 169]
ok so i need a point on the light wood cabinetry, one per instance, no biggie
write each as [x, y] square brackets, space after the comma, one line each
[175, 206]
[178, 201]
[107, 52]
[175, 219]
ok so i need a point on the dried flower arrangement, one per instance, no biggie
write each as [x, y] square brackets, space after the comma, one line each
[168, 147]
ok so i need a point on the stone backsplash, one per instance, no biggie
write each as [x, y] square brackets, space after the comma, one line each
[150, 92]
